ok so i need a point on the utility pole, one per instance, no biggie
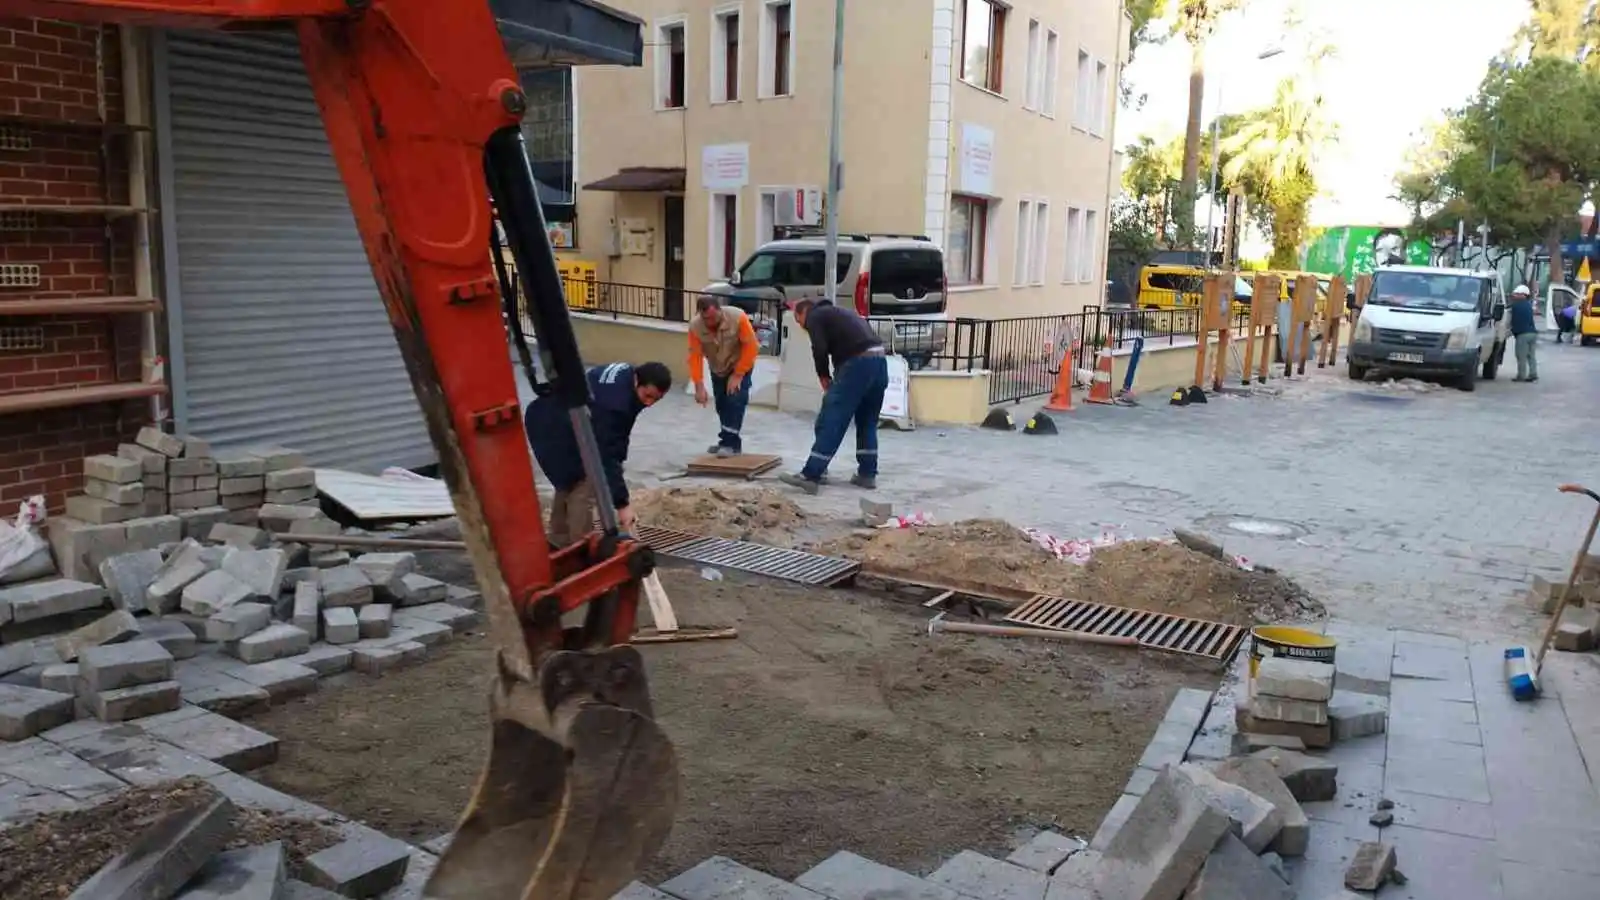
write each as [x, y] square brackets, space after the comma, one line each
[835, 164]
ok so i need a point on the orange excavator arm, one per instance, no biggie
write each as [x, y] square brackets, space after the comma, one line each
[422, 109]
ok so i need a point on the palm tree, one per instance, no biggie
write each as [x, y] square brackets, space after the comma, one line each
[1197, 19]
[1278, 148]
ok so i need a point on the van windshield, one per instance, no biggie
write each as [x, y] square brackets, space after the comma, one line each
[1426, 290]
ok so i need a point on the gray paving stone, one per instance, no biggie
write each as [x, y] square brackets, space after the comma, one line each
[278, 517]
[61, 678]
[330, 559]
[417, 590]
[720, 878]
[359, 868]
[340, 625]
[307, 608]
[1164, 842]
[276, 459]
[1282, 709]
[250, 794]
[128, 576]
[150, 761]
[975, 875]
[344, 586]
[249, 873]
[1444, 720]
[197, 522]
[1456, 867]
[124, 665]
[376, 620]
[60, 771]
[1294, 679]
[1462, 817]
[376, 660]
[151, 532]
[637, 890]
[33, 600]
[112, 469]
[15, 657]
[1255, 819]
[273, 642]
[846, 876]
[79, 547]
[1167, 746]
[299, 890]
[1357, 715]
[1423, 661]
[240, 467]
[1260, 778]
[214, 592]
[381, 567]
[1045, 851]
[259, 570]
[458, 618]
[221, 740]
[227, 696]
[429, 634]
[1309, 778]
[135, 702]
[174, 636]
[165, 856]
[281, 680]
[20, 801]
[1140, 781]
[240, 536]
[1076, 877]
[324, 659]
[464, 597]
[238, 621]
[1114, 819]
[183, 567]
[113, 628]
[1234, 872]
[1526, 882]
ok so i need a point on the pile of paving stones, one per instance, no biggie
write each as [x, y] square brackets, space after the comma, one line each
[1579, 631]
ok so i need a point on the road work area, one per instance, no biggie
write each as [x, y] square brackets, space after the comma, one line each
[834, 720]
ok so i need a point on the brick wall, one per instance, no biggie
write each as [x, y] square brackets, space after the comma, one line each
[48, 70]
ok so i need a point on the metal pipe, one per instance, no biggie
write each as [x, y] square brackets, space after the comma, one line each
[835, 164]
[371, 543]
[132, 46]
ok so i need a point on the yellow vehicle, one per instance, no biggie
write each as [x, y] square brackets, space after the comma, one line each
[1589, 316]
[1174, 287]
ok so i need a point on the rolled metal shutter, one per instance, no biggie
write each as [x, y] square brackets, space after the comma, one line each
[285, 340]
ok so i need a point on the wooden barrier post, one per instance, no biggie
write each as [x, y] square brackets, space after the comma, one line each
[1303, 310]
[1363, 290]
[1217, 315]
[1263, 285]
[1332, 322]
[1264, 309]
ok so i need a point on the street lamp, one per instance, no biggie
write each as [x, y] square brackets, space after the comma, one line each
[1216, 155]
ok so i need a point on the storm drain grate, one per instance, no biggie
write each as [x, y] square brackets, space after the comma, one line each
[758, 559]
[1159, 631]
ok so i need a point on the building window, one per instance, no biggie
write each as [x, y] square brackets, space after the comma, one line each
[1069, 273]
[1091, 246]
[1052, 73]
[1035, 70]
[725, 66]
[547, 133]
[969, 237]
[671, 68]
[777, 49]
[1097, 105]
[983, 38]
[1085, 90]
[767, 218]
[1040, 242]
[724, 234]
[1024, 239]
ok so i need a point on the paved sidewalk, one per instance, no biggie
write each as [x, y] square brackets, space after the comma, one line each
[1492, 798]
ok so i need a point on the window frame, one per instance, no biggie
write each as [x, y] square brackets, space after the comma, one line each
[1099, 91]
[976, 252]
[664, 58]
[722, 235]
[776, 44]
[1032, 72]
[727, 57]
[1022, 261]
[1072, 242]
[994, 59]
[1082, 101]
[1052, 73]
[1039, 250]
[1091, 246]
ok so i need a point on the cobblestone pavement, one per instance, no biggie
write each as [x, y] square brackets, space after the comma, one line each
[1404, 505]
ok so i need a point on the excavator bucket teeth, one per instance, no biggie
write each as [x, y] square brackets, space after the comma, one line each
[574, 818]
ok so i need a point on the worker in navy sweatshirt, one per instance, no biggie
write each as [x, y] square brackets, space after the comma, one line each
[852, 392]
[621, 392]
[1525, 333]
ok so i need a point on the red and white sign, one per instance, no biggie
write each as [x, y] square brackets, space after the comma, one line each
[724, 167]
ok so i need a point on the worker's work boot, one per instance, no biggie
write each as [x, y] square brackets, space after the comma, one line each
[865, 482]
[794, 479]
[726, 452]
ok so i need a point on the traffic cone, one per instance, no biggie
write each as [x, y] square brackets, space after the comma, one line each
[1061, 397]
[1100, 388]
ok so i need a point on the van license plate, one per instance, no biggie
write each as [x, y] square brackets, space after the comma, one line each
[912, 331]
[1405, 357]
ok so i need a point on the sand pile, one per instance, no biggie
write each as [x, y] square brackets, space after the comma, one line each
[1153, 575]
[736, 513]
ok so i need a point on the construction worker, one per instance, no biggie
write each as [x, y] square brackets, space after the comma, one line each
[621, 392]
[852, 393]
[1525, 332]
[721, 338]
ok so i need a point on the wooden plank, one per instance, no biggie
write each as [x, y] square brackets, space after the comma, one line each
[660, 605]
[371, 498]
[651, 636]
[745, 465]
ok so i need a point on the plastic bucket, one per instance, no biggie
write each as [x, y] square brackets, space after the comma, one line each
[1294, 643]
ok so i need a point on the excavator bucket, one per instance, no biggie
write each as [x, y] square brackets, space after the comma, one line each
[577, 795]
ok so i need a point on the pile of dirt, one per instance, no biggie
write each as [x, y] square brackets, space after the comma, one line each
[1153, 575]
[51, 855]
[736, 513]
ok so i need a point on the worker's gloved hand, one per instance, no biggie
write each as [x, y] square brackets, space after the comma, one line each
[734, 383]
[700, 395]
[626, 520]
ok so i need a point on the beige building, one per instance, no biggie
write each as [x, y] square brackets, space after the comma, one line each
[985, 126]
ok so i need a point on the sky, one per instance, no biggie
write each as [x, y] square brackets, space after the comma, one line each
[1400, 64]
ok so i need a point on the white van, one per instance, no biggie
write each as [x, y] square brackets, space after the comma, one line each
[1431, 321]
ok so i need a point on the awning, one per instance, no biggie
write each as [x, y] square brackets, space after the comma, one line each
[542, 33]
[640, 178]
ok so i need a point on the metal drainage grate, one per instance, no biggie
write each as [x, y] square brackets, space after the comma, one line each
[758, 559]
[1160, 631]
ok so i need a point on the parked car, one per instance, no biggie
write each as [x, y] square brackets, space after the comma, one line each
[895, 281]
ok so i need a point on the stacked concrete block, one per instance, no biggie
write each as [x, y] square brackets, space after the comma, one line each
[187, 564]
[34, 600]
[115, 628]
[1290, 696]
[112, 491]
[127, 681]
[192, 480]
[153, 475]
[286, 479]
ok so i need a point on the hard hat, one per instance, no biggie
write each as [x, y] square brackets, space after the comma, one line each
[1521, 290]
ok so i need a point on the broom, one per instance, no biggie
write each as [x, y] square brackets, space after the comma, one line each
[1521, 666]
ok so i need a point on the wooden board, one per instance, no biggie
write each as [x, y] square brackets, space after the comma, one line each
[745, 465]
[372, 498]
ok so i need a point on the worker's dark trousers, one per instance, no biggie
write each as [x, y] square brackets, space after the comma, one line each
[856, 395]
[730, 410]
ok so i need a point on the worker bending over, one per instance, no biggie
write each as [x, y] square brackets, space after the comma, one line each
[852, 393]
[722, 339]
[620, 392]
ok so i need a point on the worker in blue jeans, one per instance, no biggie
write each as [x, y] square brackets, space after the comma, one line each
[853, 393]
[1525, 334]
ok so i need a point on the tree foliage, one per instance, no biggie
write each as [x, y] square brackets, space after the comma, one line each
[1566, 29]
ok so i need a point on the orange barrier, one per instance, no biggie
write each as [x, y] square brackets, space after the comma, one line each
[1100, 387]
[1061, 397]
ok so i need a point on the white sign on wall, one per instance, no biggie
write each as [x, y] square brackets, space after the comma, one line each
[897, 399]
[976, 160]
[724, 167]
